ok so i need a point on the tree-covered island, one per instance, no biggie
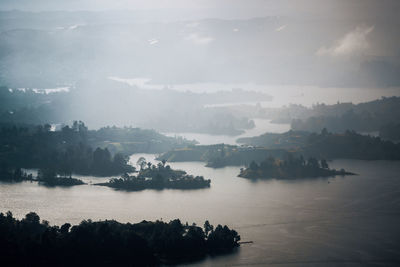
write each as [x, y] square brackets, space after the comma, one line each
[290, 168]
[49, 177]
[30, 242]
[160, 176]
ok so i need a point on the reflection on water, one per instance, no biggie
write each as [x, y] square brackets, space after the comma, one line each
[341, 221]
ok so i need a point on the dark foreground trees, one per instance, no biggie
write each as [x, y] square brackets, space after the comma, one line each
[29, 242]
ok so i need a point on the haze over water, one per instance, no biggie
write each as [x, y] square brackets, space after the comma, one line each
[208, 71]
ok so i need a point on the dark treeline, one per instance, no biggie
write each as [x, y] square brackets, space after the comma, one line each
[29, 242]
[290, 168]
[329, 145]
[64, 152]
[363, 117]
[350, 145]
[158, 176]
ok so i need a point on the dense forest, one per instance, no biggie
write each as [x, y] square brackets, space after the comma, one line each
[30, 242]
[65, 152]
[160, 176]
[289, 168]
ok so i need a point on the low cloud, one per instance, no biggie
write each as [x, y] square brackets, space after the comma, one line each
[354, 42]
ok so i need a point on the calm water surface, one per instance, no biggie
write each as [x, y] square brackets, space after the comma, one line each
[342, 221]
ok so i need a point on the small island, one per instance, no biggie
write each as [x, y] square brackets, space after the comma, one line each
[290, 168]
[49, 177]
[158, 176]
[32, 242]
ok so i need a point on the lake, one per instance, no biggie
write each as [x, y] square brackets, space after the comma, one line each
[341, 221]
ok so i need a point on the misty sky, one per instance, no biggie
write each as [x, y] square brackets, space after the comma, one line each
[304, 42]
[350, 9]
